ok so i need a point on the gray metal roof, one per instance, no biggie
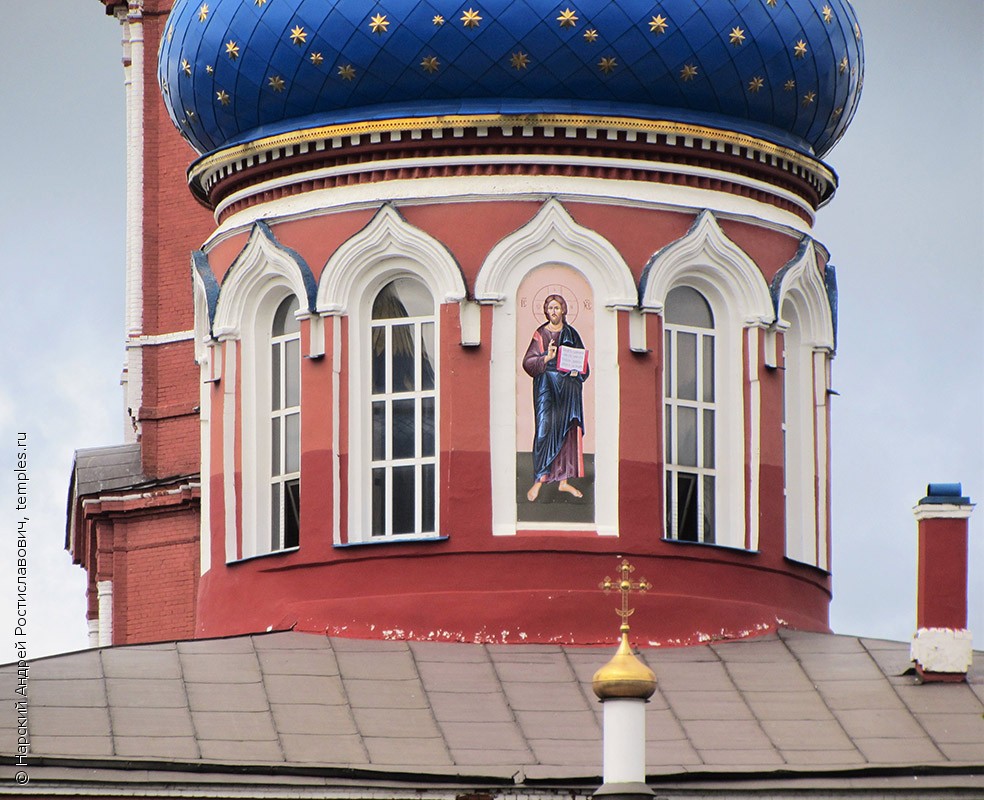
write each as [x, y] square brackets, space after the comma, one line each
[791, 704]
[101, 469]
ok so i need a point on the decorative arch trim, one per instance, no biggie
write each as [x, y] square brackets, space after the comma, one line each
[705, 256]
[800, 280]
[553, 236]
[263, 261]
[388, 236]
[205, 289]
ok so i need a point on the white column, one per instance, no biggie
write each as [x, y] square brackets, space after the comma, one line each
[624, 757]
[104, 590]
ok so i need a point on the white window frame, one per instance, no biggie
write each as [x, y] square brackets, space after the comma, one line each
[418, 461]
[281, 477]
[806, 321]
[705, 259]
[671, 406]
[262, 275]
[386, 249]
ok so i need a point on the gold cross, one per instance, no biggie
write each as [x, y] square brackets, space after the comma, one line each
[625, 585]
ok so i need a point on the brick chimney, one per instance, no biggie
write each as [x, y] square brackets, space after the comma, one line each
[941, 647]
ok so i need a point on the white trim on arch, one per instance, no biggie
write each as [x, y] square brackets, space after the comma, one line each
[807, 322]
[552, 237]
[385, 249]
[705, 259]
[387, 236]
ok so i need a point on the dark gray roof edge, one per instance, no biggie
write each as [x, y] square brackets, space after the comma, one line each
[513, 777]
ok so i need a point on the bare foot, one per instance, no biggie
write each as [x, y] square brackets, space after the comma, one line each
[534, 491]
[566, 487]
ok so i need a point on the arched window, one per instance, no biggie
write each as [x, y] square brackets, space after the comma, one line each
[689, 416]
[285, 426]
[403, 400]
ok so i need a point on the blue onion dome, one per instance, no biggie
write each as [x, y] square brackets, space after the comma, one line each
[786, 71]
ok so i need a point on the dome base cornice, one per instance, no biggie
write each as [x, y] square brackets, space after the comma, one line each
[659, 151]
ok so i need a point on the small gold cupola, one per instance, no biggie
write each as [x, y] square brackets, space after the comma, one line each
[625, 675]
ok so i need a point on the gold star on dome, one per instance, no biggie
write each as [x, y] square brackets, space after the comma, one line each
[317, 59]
[789, 85]
[657, 24]
[209, 69]
[857, 31]
[170, 33]
[431, 64]
[799, 49]
[842, 67]
[838, 111]
[164, 86]
[190, 114]
[185, 66]
[567, 18]
[298, 35]
[232, 49]
[756, 83]
[259, 2]
[770, 2]
[737, 36]
[828, 14]
[203, 12]
[438, 20]
[471, 18]
[519, 60]
[808, 99]
[346, 72]
[607, 65]
[379, 23]
[689, 72]
[591, 35]
[276, 83]
[222, 96]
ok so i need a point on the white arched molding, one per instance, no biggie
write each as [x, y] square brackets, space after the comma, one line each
[553, 238]
[387, 248]
[387, 237]
[708, 261]
[262, 275]
[806, 320]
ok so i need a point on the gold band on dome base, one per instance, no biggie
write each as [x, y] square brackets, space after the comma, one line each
[216, 161]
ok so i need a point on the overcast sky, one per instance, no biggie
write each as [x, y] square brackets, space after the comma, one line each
[904, 231]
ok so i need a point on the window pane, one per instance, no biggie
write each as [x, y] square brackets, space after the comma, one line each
[427, 426]
[686, 437]
[403, 297]
[292, 513]
[379, 502]
[709, 509]
[275, 377]
[669, 434]
[378, 431]
[404, 428]
[686, 507]
[708, 433]
[427, 498]
[378, 360]
[686, 306]
[686, 388]
[402, 345]
[403, 500]
[668, 500]
[292, 373]
[275, 446]
[275, 516]
[284, 320]
[292, 443]
[708, 368]
[668, 364]
[427, 356]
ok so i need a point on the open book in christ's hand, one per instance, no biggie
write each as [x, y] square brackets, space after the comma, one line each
[572, 359]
